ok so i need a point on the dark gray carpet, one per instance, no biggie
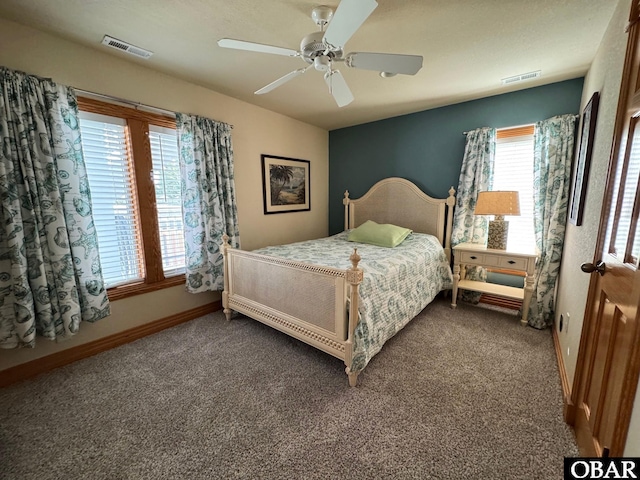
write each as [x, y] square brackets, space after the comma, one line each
[464, 394]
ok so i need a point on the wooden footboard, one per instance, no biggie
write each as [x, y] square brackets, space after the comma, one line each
[308, 302]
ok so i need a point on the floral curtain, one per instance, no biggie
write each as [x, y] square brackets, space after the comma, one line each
[50, 275]
[553, 150]
[208, 198]
[476, 176]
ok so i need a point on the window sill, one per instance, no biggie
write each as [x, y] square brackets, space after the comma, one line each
[124, 291]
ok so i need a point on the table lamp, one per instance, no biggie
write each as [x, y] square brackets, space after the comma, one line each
[498, 203]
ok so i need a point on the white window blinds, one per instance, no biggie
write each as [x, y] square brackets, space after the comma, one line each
[513, 170]
[624, 216]
[111, 180]
[166, 179]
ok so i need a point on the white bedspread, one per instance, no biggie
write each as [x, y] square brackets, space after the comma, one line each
[398, 282]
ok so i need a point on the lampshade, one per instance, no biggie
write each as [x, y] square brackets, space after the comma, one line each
[498, 203]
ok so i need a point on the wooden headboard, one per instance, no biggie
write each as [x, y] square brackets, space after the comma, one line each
[400, 202]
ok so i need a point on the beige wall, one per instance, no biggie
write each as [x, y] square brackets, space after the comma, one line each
[256, 131]
[604, 76]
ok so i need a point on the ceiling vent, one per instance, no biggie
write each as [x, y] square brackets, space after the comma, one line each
[521, 78]
[126, 47]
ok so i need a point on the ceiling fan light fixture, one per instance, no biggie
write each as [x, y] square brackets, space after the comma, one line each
[322, 63]
[387, 74]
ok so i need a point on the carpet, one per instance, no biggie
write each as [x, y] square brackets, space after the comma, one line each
[457, 394]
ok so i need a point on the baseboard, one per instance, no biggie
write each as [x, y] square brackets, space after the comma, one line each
[65, 357]
[568, 409]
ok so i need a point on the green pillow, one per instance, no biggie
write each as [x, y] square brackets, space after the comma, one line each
[382, 235]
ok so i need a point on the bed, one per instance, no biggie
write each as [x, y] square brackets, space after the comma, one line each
[347, 298]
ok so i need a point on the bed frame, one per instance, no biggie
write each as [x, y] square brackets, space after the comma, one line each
[309, 302]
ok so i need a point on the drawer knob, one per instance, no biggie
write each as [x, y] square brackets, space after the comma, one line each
[473, 257]
[511, 262]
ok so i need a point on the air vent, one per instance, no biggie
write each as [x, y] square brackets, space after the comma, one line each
[521, 78]
[126, 47]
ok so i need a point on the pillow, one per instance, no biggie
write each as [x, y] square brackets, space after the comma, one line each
[382, 235]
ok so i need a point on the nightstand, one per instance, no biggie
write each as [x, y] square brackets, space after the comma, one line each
[466, 254]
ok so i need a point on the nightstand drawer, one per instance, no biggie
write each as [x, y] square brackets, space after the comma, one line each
[492, 260]
[472, 257]
[517, 263]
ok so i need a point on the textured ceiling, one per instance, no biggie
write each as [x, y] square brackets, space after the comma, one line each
[468, 47]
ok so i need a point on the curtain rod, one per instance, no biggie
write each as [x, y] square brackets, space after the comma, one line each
[126, 102]
[518, 126]
[129, 102]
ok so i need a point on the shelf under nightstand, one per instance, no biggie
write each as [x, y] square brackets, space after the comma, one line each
[471, 254]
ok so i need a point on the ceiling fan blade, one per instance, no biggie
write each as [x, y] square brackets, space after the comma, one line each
[256, 47]
[338, 88]
[385, 62]
[347, 18]
[281, 80]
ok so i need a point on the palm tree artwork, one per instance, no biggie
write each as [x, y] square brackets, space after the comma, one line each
[287, 185]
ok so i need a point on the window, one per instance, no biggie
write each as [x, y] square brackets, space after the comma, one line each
[621, 224]
[134, 177]
[513, 170]
[111, 181]
[166, 179]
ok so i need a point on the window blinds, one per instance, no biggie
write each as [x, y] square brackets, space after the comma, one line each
[627, 214]
[111, 180]
[166, 178]
[513, 170]
[625, 203]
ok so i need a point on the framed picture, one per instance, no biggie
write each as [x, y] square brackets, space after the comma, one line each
[285, 184]
[581, 177]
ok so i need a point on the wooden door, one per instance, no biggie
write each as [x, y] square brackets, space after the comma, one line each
[609, 360]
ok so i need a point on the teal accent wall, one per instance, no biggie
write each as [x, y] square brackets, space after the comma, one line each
[427, 147]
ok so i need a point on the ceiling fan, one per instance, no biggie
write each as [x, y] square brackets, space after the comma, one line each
[321, 50]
